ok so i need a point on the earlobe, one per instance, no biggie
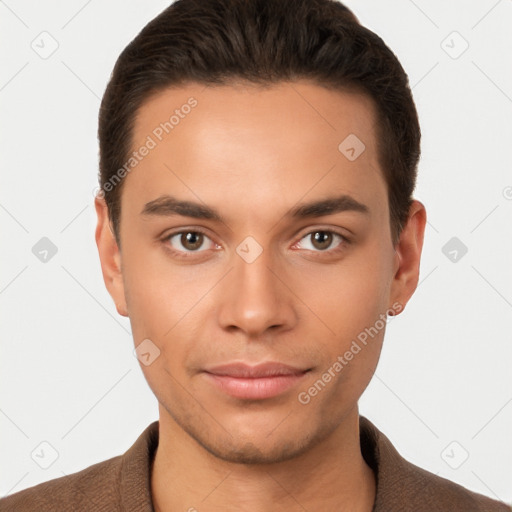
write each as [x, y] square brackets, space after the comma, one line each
[110, 257]
[408, 255]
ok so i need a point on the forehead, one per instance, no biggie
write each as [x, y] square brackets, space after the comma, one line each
[244, 108]
[260, 142]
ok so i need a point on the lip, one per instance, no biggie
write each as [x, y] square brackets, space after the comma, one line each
[264, 380]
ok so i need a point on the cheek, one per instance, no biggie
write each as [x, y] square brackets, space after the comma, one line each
[350, 296]
[164, 304]
[357, 316]
[352, 301]
[158, 293]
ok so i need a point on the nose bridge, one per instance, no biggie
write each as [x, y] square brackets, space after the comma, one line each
[255, 299]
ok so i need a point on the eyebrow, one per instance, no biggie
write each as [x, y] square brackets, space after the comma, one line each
[168, 206]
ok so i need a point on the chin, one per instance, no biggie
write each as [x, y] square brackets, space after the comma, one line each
[261, 446]
[255, 437]
[240, 452]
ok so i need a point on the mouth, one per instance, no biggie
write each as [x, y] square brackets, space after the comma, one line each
[258, 382]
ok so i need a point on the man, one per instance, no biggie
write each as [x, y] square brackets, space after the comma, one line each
[256, 224]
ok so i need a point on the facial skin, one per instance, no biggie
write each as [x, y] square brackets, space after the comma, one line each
[255, 155]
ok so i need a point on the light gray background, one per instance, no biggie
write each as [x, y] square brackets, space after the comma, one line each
[68, 375]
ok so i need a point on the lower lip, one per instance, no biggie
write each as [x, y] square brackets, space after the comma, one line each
[255, 388]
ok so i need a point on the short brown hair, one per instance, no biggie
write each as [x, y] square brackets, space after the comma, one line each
[262, 42]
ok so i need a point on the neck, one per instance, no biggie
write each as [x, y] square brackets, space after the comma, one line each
[333, 475]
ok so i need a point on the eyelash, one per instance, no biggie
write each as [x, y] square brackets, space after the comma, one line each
[187, 254]
[183, 254]
[341, 246]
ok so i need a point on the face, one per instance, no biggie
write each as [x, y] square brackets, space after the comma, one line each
[249, 235]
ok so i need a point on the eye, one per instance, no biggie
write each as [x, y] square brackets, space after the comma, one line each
[190, 241]
[321, 240]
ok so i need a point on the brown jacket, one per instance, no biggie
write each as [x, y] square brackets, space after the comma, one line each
[122, 483]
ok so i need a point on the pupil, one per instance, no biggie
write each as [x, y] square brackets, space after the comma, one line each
[192, 240]
[322, 239]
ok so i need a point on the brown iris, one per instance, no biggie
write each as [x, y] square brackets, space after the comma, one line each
[192, 240]
[321, 239]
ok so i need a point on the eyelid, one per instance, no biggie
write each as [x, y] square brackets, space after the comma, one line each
[345, 240]
[180, 231]
[196, 229]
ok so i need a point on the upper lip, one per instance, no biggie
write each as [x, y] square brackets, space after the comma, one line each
[243, 370]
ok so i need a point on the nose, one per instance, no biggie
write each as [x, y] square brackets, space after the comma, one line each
[255, 298]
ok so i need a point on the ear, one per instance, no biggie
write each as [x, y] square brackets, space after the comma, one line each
[110, 256]
[408, 255]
